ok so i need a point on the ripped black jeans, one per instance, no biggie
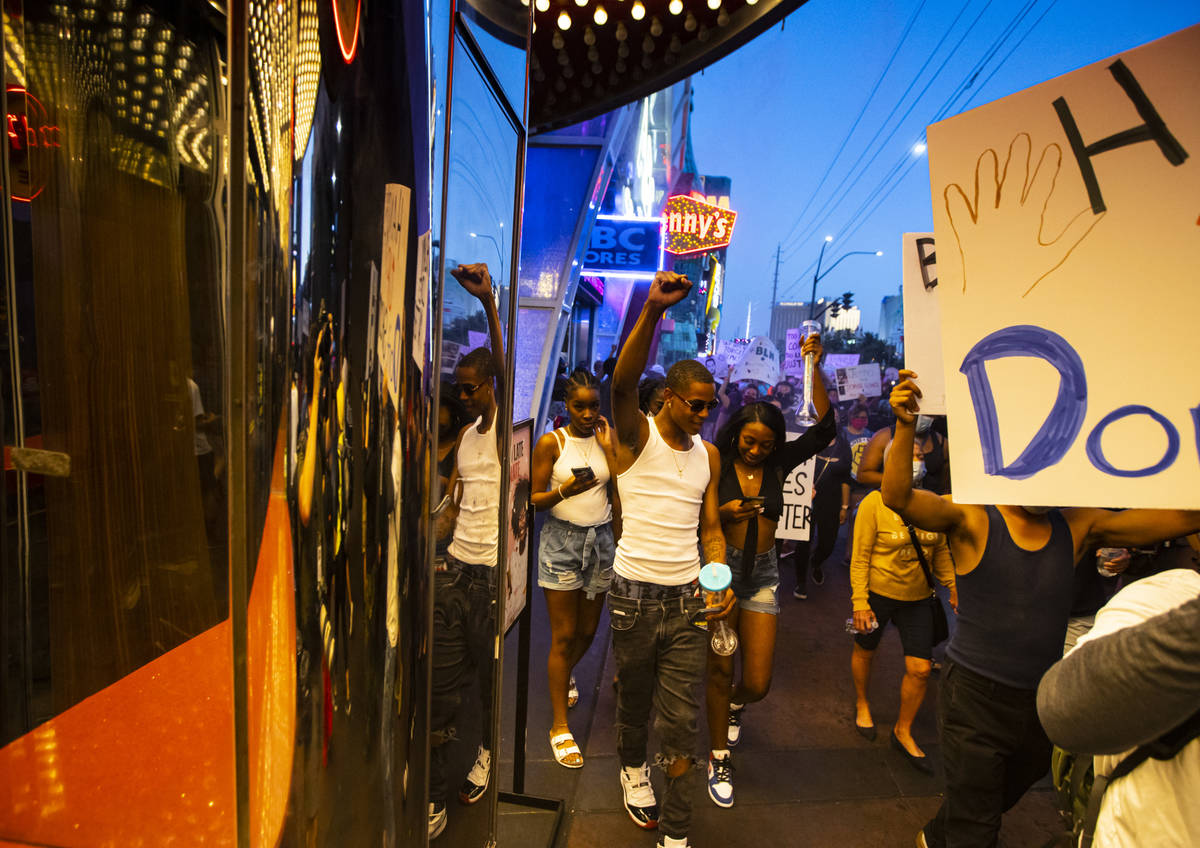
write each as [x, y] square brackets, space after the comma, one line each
[660, 657]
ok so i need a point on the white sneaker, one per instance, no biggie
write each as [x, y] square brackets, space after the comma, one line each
[640, 802]
[475, 785]
[720, 780]
[672, 842]
[437, 819]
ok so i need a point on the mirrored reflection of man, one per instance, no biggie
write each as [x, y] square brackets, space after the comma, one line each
[1014, 568]
[464, 613]
[667, 480]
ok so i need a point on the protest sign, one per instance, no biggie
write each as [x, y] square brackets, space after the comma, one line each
[391, 325]
[451, 352]
[796, 521]
[730, 351]
[519, 522]
[793, 362]
[859, 380]
[923, 319]
[1066, 223]
[834, 361]
[759, 362]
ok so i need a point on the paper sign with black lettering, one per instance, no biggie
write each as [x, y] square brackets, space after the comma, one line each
[796, 521]
[858, 381]
[759, 362]
[923, 319]
[1067, 220]
[621, 245]
[793, 362]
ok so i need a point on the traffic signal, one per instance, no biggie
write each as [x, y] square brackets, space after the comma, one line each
[847, 300]
[834, 309]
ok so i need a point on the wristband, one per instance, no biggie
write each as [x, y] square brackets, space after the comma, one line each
[561, 496]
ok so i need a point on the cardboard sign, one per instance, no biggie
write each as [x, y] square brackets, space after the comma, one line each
[1068, 249]
[796, 521]
[730, 351]
[393, 266]
[834, 361]
[759, 362]
[859, 380]
[793, 362]
[923, 319]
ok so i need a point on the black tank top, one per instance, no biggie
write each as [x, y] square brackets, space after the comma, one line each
[1013, 607]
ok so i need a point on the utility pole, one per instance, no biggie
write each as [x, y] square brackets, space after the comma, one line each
[774, 289]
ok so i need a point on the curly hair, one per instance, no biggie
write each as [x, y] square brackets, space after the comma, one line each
[762, 412]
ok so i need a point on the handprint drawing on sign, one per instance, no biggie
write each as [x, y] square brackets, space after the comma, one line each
[1002, 222]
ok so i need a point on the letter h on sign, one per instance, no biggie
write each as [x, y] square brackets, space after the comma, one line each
[1154, 129]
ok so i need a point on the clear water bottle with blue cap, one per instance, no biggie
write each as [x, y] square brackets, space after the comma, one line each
[715, 578]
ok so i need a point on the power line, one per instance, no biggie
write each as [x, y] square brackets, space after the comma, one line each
[882, 190]
[836, 197]
[861, 112]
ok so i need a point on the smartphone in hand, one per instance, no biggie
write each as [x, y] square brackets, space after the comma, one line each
[754, 501]
[584, 473]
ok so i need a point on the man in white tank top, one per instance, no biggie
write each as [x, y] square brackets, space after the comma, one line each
[667, 479]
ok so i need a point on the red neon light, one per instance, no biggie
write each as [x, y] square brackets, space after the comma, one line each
[43, 136]
[694, 226]
[347, 51]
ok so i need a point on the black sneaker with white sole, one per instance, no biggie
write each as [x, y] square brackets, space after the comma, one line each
[437, 819]
[639, 798]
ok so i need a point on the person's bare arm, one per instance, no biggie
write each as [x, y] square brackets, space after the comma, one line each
[712, 538]
[870, 465]
[667, 290]
[477, 280]
[1102, 528]
[916, 506]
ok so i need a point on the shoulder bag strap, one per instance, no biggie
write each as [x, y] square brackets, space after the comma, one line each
[912, 534]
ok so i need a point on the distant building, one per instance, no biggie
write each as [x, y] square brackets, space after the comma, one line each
[790, 315]
[891, 321]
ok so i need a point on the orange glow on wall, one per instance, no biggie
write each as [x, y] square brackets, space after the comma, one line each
[694, 226]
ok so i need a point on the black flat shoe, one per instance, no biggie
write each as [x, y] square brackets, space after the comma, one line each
[921, 764]
[867, 733]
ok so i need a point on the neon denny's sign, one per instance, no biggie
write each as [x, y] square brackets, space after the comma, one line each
[693, 226]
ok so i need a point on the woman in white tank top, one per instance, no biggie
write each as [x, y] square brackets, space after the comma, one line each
[570, 477]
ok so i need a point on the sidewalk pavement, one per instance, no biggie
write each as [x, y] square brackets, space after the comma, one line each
[803, 776]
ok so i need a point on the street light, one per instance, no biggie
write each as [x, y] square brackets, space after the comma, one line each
[818, 276]
[499, 253]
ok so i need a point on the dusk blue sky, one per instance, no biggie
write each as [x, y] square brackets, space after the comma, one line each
[778, 115]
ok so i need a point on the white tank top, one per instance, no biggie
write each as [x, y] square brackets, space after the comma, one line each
[477, 531]
[590, 508]
[661, 496]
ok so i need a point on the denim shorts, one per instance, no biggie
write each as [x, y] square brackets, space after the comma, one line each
[573, 557]
[758, 594]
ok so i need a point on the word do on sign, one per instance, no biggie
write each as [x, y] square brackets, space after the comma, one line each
[694, 226]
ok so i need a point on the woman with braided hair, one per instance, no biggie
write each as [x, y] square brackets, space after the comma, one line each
[570, 477]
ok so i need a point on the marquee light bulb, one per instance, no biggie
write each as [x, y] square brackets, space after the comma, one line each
[600, 16]
[751, 2]
[675, 7]
[542, 5]
[714, 4]
[638, 11]
[581, 2]
[564, 20]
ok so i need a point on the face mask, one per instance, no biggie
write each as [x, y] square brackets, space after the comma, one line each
[858, 423]
[918, 470]
[924, 422]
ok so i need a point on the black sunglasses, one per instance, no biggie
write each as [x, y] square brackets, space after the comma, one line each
[466, 388]
[697, 405]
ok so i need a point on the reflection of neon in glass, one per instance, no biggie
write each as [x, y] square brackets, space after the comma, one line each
[23, 136]
[347, 50]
